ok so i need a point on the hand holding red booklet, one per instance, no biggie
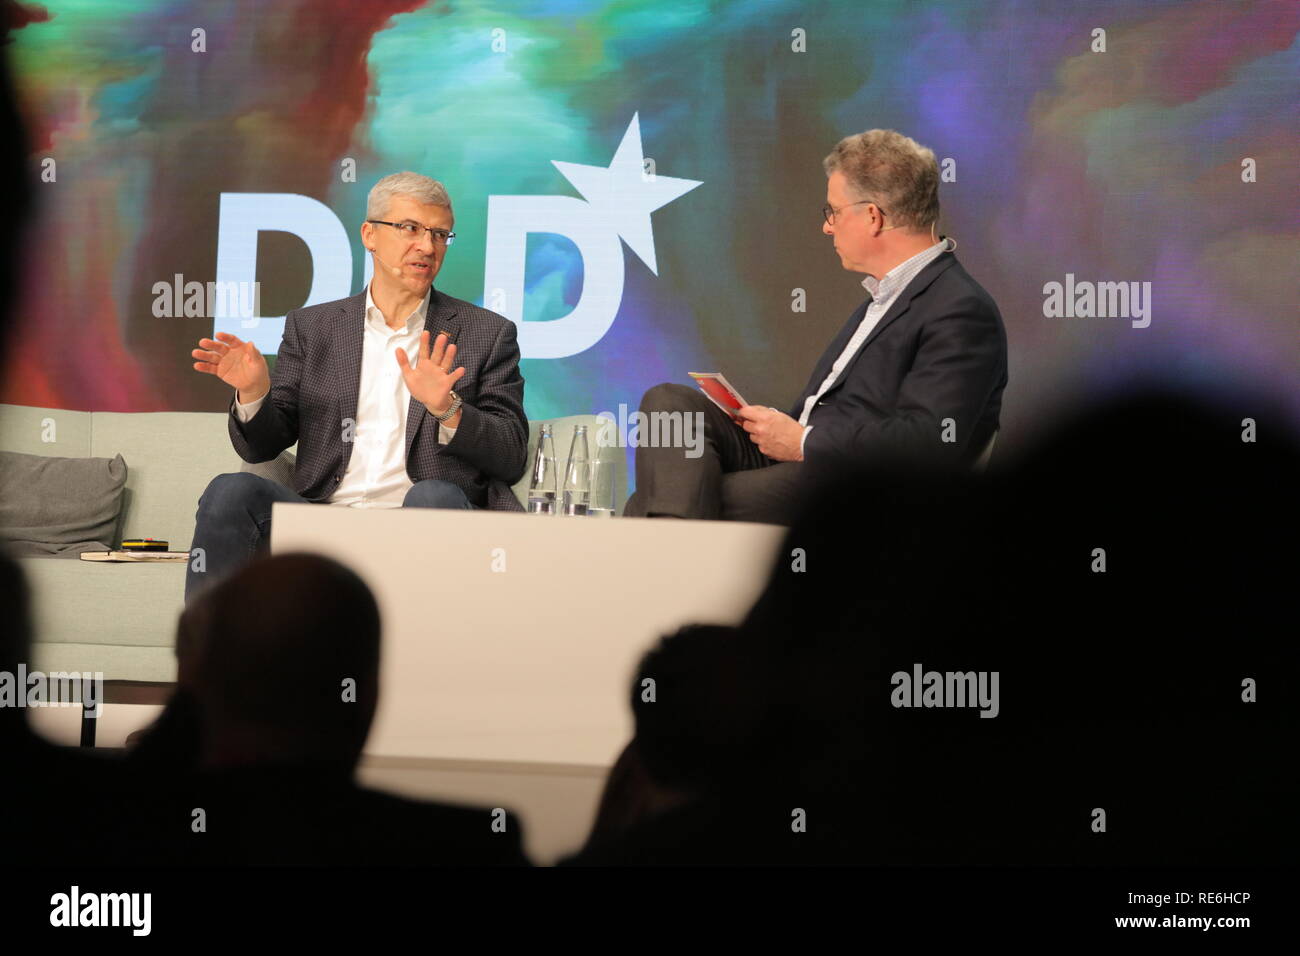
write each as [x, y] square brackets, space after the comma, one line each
[719, 391]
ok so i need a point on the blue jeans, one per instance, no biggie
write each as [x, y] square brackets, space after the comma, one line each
[233, 524]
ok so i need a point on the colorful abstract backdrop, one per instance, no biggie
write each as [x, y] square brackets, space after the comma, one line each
[639, 183]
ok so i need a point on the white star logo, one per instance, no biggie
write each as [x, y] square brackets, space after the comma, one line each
[624, 196]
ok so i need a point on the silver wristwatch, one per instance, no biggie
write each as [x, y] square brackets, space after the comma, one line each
[452, 409]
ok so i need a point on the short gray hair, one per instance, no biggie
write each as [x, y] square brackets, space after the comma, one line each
[422, 189]
[892, 170]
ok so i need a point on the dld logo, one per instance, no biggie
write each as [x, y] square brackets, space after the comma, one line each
[616, 205]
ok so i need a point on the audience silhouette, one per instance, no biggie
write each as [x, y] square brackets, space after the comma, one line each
[52, 796]
[1125, 579]
[278, 681]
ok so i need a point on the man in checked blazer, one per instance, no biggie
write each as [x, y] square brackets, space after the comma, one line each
[917, 372]
[371, 390]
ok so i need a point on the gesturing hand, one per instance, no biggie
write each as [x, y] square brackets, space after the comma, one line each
[431, 380]
[237, 363]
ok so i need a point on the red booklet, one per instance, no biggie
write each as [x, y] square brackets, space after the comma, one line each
[719, 391]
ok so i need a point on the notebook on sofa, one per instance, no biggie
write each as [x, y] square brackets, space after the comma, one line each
[135, 556]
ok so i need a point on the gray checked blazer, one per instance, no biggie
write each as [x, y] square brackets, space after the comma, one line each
[314, 392]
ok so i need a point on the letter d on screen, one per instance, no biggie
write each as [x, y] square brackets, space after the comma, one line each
[242, 216]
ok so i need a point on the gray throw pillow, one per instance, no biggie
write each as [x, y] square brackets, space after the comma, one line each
[59, 506]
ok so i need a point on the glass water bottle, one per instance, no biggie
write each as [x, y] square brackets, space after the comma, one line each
[577, 474]
[542, 485]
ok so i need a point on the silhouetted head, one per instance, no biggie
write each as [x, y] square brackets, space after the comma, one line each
[1153, 478]
[282, 662]
[1123, 577]
[692, 701]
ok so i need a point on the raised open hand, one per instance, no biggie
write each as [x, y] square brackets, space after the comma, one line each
[237, 363]
[431, 379]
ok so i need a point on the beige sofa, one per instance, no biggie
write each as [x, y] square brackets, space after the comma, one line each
[120, 619]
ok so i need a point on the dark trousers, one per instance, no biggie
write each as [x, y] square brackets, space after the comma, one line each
[730, 479]
[233, 524]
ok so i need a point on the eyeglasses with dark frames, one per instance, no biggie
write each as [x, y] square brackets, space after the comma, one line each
[830, 212]
[411, 230]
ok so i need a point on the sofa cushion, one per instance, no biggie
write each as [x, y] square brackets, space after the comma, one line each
[279, 470]
[118, 619]
[59, 506]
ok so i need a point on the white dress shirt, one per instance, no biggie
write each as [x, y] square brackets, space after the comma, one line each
[884, 292]
[376, 474]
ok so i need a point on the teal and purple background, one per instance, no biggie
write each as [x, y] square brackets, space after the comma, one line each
[1117, 166]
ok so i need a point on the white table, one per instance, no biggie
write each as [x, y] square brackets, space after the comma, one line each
[514, 638]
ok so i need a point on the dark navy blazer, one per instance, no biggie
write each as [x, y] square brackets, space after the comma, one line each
[939, 352]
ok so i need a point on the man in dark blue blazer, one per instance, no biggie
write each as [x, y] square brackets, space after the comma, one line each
[917, 371]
